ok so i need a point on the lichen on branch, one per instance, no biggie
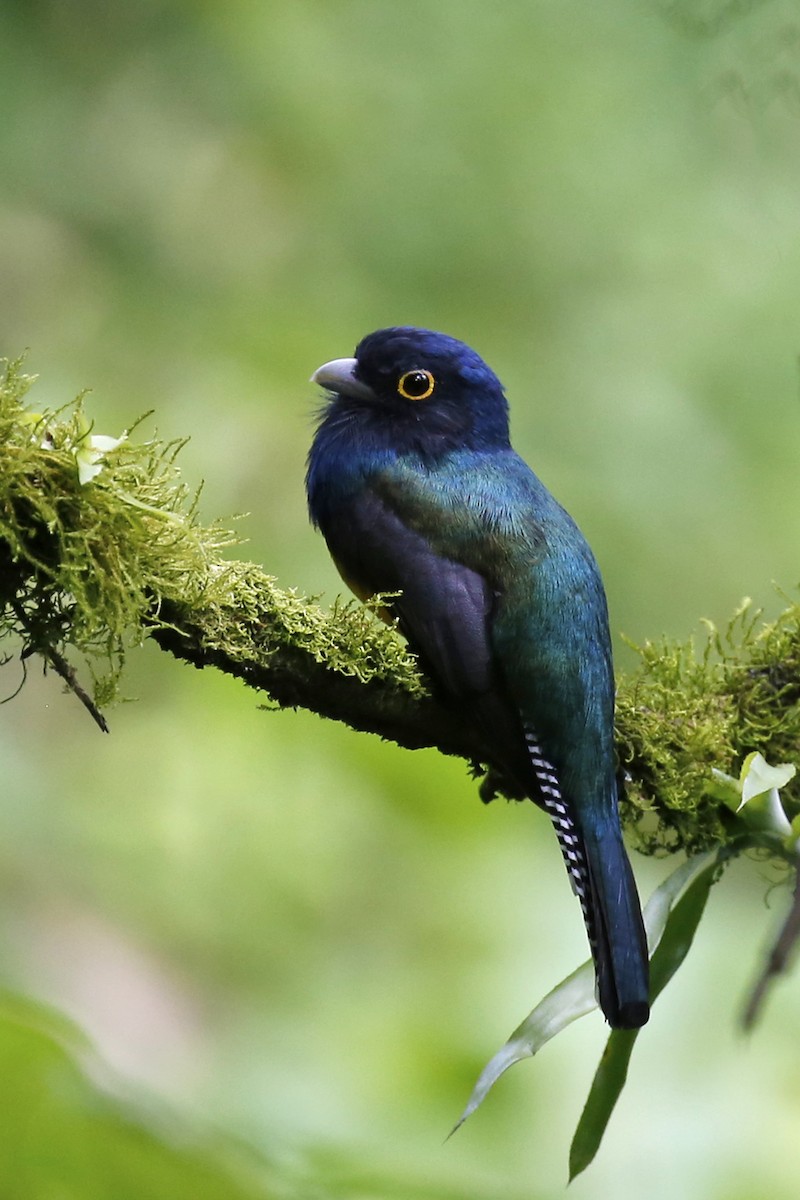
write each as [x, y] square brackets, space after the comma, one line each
[101, 545]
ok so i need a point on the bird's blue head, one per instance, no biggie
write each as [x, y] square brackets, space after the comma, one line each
[427, 392]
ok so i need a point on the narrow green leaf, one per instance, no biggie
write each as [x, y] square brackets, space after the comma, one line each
[659, 906]
[607, 1084]
[612, 1072]
[575, 996]
[572, 998]
[681, 928]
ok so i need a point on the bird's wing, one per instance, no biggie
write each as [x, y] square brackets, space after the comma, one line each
[444, 609]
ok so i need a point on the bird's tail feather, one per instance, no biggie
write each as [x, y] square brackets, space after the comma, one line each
[616, 932]
[602, 879]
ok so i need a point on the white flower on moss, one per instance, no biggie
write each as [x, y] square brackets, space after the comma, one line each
[91, 449]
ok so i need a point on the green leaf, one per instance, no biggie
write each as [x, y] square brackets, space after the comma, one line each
[794, 836]
[65, 1137]
[659, 906]
[575, 996]
[606, 1087]
[612, 1072]
[572, 998]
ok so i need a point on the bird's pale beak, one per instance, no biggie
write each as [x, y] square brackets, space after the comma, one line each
[338, 375]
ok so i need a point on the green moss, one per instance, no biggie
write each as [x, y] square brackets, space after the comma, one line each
[247, 618]
[689, 709]
[92, 565]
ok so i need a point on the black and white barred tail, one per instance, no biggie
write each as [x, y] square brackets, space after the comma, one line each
[602, 879]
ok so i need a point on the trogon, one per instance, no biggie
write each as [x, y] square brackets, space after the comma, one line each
[414, 484]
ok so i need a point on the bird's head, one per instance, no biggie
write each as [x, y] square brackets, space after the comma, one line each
[431, 391]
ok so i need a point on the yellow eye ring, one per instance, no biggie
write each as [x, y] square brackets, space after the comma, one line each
[416, 385]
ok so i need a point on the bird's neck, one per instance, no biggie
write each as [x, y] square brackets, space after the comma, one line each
[361, 431]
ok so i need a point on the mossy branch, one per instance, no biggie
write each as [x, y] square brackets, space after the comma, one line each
[101, 546]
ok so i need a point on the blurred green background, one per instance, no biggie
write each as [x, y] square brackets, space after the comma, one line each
[291, 949]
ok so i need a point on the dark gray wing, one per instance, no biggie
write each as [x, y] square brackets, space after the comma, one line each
[444, 610]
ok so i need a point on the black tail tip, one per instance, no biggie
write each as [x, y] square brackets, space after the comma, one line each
[630, 1016]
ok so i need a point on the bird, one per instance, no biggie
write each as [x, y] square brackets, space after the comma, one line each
[413, 483]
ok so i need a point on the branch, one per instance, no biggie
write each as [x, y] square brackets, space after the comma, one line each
[101, 546]
[341, 665]
[777, 960]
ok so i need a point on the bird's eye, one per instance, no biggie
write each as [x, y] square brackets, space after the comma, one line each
[416, 385]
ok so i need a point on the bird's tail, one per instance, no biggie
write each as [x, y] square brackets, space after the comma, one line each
[602, 879]
[616, 932]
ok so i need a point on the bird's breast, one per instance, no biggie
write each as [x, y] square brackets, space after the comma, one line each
[473, 509]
